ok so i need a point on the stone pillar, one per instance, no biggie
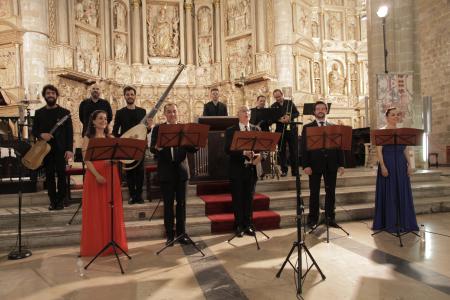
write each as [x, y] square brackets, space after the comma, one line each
[284, 59]
[63, 22]
[34, 15]
[261, 44]
[217, 43]
[107, 32]
[136, 44]
[189, 35]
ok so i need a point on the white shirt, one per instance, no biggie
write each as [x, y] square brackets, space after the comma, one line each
[324, 123]
[242, 127]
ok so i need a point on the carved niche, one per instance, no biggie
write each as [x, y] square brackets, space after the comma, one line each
[317, 79]
[303, 74]
[304, 21]
[120, 47]
[8, 61]
[5, 8]
[334, 26]
[238, 16]
[352, 28]
[204, 29]
[120, 17]
[336, 79]
[87, 52]
[87, 12]
[163, 30]
[240, 58]
[354, 79]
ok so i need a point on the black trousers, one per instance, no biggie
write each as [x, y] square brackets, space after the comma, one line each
[172, 190]
[55, 162]
[242, 191]
[329, 178]
[135, 180]
[290, 138]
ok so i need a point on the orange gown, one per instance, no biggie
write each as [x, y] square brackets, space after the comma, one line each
[96, 217]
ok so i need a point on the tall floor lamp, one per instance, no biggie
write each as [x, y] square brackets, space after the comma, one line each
[382, 12]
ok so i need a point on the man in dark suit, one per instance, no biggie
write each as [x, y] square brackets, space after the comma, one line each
[289, 131]
[215, 107]
[173, 172]
[88, 106]
[257, 121]
[318, 163]
[242, 175]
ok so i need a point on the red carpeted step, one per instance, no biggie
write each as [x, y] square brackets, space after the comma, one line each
[263, 220]
[221, 203]
[211, 188]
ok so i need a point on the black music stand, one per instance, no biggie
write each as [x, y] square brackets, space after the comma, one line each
[329, 137]
[254, 141]
[181, 135]
[113, 149]
[400, 136]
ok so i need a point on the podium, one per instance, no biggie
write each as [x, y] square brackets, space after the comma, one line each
[398, 136]
[254, 141]
[181, 135]
[113, 149]
[336, 137]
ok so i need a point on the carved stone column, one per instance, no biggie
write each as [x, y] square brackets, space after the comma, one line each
[63, 22]
[136, 35]
[260, 26]
[189, 36]
[217, 30]
[283, 42]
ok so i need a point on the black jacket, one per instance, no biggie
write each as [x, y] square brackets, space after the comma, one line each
[237, 167]
[87, 107]
[169, 169]
[45, 119]
[209, 109]
[288, 107]
[126, 119]
[323, 159]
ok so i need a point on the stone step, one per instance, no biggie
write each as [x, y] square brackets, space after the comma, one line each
[196, 226]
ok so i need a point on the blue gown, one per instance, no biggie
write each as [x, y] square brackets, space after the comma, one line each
[386, 194]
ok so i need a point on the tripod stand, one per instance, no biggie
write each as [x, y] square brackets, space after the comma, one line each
[251, 227]
[113, 149]
[20, 252]
[402, 136]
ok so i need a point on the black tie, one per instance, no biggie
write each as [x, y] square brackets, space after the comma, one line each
[246, 128]
[322, 123]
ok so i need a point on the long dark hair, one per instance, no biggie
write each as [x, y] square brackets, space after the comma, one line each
[90, 130]
[389, 110]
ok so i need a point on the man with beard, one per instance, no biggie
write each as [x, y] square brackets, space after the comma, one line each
[61, 142]
[318, 163]
[126, 118]
[288, 131]
[88, 106]
[215, 107]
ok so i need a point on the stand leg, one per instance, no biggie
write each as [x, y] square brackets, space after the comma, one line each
[287, 259]
[184, 235]
[156, 208]
[76, 212]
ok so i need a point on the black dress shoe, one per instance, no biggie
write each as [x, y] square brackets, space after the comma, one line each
[239, 233]
[184, 241]
[250, 231]
[131, 201]
[169, 242]
[332, 223]
[51, 207]
[312, 225]
[284, 174]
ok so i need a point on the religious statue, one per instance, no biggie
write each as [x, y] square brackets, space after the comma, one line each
[79, 9]
[204, 21]
[317, 83]
[90, 10]
[315, 29]
[333, 27]
[246, 12]
[94, 63]
[336, 80]
[204, 51]
[164, 33]
[120, 48]
[120, 14]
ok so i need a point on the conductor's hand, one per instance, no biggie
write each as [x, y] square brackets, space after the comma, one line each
[308, 171]
[46, 136]
[257, 158]
[100, 179]
[384, 171]
[341, 171]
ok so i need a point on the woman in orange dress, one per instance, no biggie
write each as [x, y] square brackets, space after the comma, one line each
[96, 217]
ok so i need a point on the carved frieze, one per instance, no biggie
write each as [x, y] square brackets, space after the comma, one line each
[240, 58]
[87, 52]
[238, 16]
[87, 12]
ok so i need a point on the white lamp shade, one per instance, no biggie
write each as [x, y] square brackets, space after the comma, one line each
[382, 11]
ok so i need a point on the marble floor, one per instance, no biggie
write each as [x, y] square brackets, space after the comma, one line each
[356, 267]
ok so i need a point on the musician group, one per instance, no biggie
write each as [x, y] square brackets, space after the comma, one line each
[96, 114]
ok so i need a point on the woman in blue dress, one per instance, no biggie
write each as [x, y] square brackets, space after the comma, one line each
[394, 171]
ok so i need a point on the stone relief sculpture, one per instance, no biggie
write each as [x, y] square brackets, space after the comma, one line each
[240, 58]
[304, 79]
[86, 11]
[317, 81]
[354, 80]
[120, 48]
[336, 81]
[304, 22]
[5, 9]
[163, 32]
[334, 26]
[120, 17]
[204, 51]
[315, 29]
[351, 28]
[238, 16]
[7, 67]
[204, 21]
[87, 52]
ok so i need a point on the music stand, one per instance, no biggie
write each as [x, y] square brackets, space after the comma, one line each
[113, 149]
[182, 135]
[254, 141]
[399, 136]
[329, 137]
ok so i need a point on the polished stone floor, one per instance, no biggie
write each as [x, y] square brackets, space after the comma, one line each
[356, 267]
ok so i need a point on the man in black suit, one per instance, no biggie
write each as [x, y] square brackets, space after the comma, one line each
[318, 163]
[88, 106]
[61, 142]
[173, 172]
[289, 131]
[215, 107]
[242, 175]
[126, 118]
[263, 124]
